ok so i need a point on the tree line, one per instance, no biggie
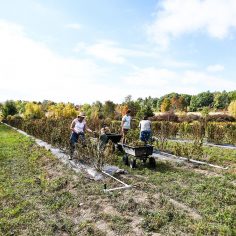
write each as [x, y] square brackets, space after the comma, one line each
[172, 102]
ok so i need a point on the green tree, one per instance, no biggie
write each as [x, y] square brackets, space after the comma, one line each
[97, 110]
[205, 112]
[9, 108]
[20, 106]
[109, 109]
[232, 95]
[221, 100]
[187, 99]
[201, 100]
[147, 110]
[134, 106]
[98, 106]
[128, 99]
[1, 115]
[87, 108]
[194, 103]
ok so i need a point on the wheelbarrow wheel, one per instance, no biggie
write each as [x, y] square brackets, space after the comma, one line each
[152, 162]
[126, 159]
[132, 163]
[119, 147]
[113, 148]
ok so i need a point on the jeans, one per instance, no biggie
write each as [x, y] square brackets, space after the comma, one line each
[74, 139]
[145, 135]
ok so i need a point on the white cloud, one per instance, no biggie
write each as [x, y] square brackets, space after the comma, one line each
[75, 26]
[150, 77]
[156, 82]
[215, 68]
[108, 51]
[111, 52]
[216, 18]
[30, 70]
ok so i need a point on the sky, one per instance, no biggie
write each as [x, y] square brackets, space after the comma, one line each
[82, 51]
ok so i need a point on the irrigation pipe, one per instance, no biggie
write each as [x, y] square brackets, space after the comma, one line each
[126, 186]
[209, 164]
[195, 161]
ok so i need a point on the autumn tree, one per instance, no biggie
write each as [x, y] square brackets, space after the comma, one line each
[122, 109]
[165, 106]
[56, 110]
[69, 110]
[232, 108]
[182, 104]
[46, 104]
[33, 111]
[62, 110]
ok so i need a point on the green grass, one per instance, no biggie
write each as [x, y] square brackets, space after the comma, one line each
[40, 196]
[214, 198]
[31, 201]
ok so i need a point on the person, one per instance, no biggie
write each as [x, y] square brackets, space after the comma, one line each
[145, 129]
[78, 128]
[105, 130]
[125, 125]
[103, 135]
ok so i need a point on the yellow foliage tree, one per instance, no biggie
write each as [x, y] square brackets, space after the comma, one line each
[62, 110]
[56, 110]
[165, 106]
[122, 109]
[33, 111]
[69, 110]
[232, 108]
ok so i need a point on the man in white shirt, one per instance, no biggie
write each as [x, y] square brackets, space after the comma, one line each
[145, 129]
[125, 125]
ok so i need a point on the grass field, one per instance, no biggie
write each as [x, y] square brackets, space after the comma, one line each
[40, 196]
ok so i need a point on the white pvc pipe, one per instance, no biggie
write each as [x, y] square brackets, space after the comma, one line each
[112, 189]
[195, 161]
[118, 188]
[115, 178]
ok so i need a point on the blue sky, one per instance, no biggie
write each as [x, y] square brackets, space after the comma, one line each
[83, 51]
